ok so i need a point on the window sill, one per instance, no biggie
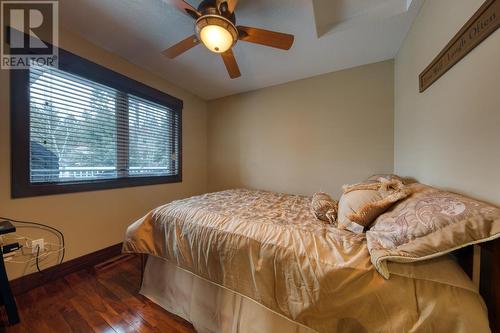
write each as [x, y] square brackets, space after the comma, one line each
[33, 190]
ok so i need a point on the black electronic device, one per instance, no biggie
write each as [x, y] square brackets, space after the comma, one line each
[11, 248]
[6, 227]
[6, 297]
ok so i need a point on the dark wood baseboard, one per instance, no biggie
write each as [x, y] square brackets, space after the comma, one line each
[28, 282]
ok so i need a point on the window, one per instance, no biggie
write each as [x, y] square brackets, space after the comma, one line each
[83, 127]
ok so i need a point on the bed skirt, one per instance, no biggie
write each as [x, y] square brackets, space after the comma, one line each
[209, 307]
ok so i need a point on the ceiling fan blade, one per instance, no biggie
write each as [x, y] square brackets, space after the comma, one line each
[231, 65]
[265, 37]
[229, 5]
[181, 47]
[184, 7]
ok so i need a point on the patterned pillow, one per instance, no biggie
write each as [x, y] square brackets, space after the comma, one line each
[324, 208]
[428, 224]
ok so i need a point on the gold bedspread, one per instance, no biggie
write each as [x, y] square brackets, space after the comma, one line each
[269, 247]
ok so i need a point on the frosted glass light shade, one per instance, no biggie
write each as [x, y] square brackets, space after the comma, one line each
[216, 38]
[217, 33]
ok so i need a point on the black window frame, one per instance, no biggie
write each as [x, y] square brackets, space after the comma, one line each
[21, 185]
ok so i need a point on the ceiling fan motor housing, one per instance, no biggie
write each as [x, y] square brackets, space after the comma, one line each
[214, 7]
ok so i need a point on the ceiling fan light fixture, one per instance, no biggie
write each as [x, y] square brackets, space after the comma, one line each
[215, 27]
[217, 33]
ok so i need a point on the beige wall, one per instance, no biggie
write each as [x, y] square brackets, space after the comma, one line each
[304, 136]
[94, 220]
[449, 136]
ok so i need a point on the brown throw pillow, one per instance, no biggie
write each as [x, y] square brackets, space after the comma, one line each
[428, 224]
[371, 210]
[388, 177]
[362, 203]
[324, 208]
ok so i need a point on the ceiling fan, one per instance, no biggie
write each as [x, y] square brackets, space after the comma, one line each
[216, 28]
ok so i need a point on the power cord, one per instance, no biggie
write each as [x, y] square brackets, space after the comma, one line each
[41, 256]
[44, 226]
[37, 256]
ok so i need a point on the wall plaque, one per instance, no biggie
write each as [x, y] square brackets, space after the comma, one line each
[484, 22]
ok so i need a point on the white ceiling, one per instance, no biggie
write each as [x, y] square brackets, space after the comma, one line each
[353, 33]
[336, 15]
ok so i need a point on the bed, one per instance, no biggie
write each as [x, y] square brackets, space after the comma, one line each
[256, 261]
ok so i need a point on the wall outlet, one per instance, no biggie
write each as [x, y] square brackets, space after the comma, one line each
[37, 243]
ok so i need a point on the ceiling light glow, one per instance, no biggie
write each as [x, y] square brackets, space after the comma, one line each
[216, 38]
[217, 33]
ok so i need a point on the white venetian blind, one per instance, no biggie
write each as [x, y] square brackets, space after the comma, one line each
[153, 138]
[81, 130]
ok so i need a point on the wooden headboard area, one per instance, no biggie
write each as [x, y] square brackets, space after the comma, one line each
[482, 264]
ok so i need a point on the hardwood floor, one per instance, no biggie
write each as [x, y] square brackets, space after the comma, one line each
[94, 301]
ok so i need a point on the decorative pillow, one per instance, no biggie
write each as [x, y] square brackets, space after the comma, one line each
[428, 224]
[390, 177]
[324, 208]
[370, 211]
[385, 176]
[362, 203]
